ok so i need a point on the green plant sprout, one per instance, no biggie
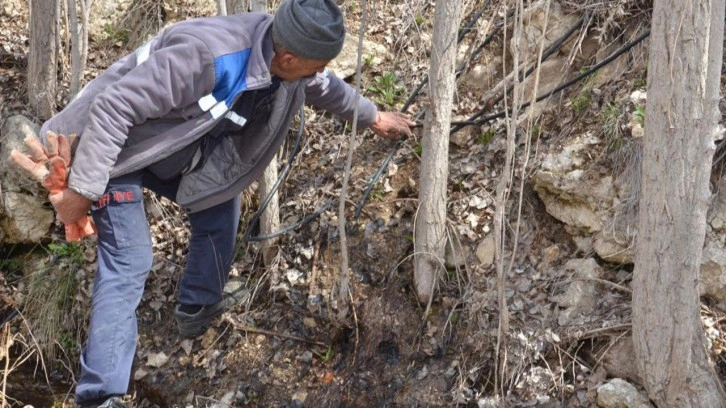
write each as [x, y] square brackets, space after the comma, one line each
[486, 137]
[387, 90]
[116, 35]
[610, 122]
[70, 250]
[368, 60]
[581, 101]
[418, 149]
[327, 356]
[639, 114]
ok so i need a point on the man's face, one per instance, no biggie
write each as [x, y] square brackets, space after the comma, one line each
[290, 67]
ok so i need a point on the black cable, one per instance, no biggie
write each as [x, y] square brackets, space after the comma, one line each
[545, 55]
[424, 81]
[375, 178]
[462, 34]
[465, 30]
[256, 218]
[470, 122]
[13, 314]
[415, 93]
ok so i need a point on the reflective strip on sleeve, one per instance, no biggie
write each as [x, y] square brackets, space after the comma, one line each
[207, 102]
[234, 117]
[142, 54]
[219, 109]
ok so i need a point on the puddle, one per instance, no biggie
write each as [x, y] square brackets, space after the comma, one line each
[26, 387]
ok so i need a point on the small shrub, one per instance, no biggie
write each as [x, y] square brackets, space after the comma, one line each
[327, 356]
[486, 137]
[117, 35]
[581, 102]
[387, 89]
[418, 149]
[639, 114]
[368, 60]
[377, 194]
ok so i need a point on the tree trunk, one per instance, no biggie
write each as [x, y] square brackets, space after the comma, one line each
[430, 234]
[270, 218]
[239, 6]
[221, 7]
[79, 42]
[258, 5]
[43, 56]
[682, 116]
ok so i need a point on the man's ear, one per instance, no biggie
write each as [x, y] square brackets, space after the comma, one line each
[287, 58]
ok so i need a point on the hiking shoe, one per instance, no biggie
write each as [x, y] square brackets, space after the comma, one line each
[194, 324]
[113, 402]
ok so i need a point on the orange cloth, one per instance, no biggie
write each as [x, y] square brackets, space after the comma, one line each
[49, 165]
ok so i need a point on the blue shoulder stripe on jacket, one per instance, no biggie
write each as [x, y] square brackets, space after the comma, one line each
[231, 75]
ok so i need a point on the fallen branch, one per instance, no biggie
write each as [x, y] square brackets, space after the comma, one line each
[596, 332]
[242, 327]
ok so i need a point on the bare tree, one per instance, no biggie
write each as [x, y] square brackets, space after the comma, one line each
[257, 5]
[270, 218]
[79, 41]
[222, 7]
[43, 57]
[238, 6]
[344, 277]
[682, 118]
[430, 234]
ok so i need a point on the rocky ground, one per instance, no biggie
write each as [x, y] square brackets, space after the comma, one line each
[566, 289]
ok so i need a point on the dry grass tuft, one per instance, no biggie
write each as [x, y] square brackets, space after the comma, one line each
[49, 300]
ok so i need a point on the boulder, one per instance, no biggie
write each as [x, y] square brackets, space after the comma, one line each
[345, 63]
[485, 251]
[541, 24]
[24, 215]
[572, 189]
[482, 76]
[618, 393]
[712, 283]
[620, 362]
[582, 295]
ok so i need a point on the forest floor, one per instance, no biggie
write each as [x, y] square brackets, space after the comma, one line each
[279, 344]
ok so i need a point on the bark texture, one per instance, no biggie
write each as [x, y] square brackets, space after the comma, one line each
[430, 234]
[79, 41]
[43, 58]
[681, 125]
[270, 218]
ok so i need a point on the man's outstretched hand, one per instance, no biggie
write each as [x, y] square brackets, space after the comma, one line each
[49, 165]
[393, 125]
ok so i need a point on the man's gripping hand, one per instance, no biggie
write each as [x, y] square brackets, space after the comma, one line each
[49, 165]
[392, 125]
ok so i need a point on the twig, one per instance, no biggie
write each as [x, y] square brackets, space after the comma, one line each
[344, 281]
[245, 328]
[332, 194]
[357, 334]
[314, 267]
[605, 282]
[6, 354]
[593, 332]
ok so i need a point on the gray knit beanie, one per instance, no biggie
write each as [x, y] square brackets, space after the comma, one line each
[312, 29]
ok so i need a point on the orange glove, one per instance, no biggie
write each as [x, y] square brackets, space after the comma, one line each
[49, 165]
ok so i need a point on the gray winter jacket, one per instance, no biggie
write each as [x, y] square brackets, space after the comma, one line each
[170, 92]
